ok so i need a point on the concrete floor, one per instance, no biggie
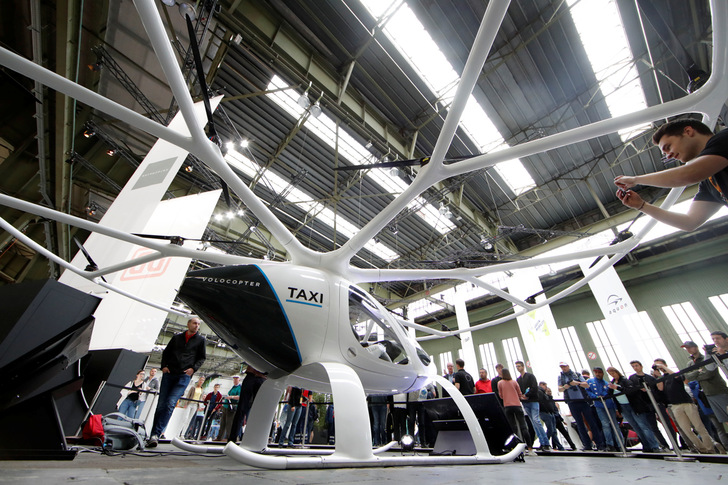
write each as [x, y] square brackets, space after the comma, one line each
[166, 465]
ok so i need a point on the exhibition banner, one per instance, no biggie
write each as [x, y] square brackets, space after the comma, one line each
[135, 204]
[125, 323]
[622, 319]
[544, 345]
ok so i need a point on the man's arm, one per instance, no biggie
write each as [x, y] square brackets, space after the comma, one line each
[692, 172]
[699, 211]
[201, 355]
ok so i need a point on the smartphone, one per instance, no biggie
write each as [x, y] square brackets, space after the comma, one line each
[622, 192]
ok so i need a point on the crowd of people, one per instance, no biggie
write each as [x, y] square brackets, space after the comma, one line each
[604, 406]
[692, 404]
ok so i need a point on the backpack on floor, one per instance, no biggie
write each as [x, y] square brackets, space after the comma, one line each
[123, 433]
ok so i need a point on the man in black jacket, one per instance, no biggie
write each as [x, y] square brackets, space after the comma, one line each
[529, 387]
[184, 355]
[640, 401]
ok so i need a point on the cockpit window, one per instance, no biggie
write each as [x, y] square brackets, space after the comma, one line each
[372, 329]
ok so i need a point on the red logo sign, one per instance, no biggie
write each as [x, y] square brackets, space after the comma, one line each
[591, 355]
[152, 269]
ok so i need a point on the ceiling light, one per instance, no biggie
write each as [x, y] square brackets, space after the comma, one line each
[244, 143]
[188, 168]
[230, 215]
[316, 110]
[169, 3]
[394, 172]
[218, 217]
[89, 133]
[187, 10]
[241, 212]
[230, 146]
[303, 100]
[393, 228]
[111, 152]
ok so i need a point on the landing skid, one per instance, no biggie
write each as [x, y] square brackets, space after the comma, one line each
[218, 449]
[353, 440]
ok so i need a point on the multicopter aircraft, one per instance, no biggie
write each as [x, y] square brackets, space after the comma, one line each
[306, 322]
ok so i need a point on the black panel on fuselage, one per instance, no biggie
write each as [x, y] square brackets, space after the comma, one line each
[240, 305]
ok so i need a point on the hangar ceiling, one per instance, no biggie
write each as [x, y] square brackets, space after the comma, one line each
[538, 80]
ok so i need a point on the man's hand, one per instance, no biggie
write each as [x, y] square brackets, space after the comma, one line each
[189, 371]
[625, 182]
[165, 370]
[630, 198]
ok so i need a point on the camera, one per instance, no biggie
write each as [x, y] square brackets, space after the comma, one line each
[654, 367]
[709, 348]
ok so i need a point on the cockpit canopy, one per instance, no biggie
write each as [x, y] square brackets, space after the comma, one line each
[375, 330]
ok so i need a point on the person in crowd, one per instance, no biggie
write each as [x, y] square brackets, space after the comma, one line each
[229, 407]
[710, 379]
[529, 388]
[495, 380]
[248, 390]
[450, 376]
[574, 388]
[547, 410]
[483, 384]
[606, 408]
[213, 405]
[638, 421]
[311, 419]
[330, 424]
[586, 374]
[195, 409]
[416, 414]
[290, 415]
[638, 381]
[683, 410]
[720, 341]
[183, 356]
[430, 431]
[398, 409]
[378, 407]
[712, 387]
[462, 380]
[705, 159]
[128, 405]
[151, 385]
[512, 396]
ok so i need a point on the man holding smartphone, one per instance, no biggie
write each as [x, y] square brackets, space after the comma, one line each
[705, 161]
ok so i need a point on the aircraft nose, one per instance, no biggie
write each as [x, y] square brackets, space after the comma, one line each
[241, 306]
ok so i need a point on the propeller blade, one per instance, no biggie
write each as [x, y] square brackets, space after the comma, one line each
[182, 239]
[92, 266]
[201, 79]
[403, 163]
[399, 163]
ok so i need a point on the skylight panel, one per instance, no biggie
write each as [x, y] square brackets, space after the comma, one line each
[349, 148]
[296, 196]
[605, 43]
[416, 44]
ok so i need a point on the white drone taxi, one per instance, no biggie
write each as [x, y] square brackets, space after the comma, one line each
[305, 322]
